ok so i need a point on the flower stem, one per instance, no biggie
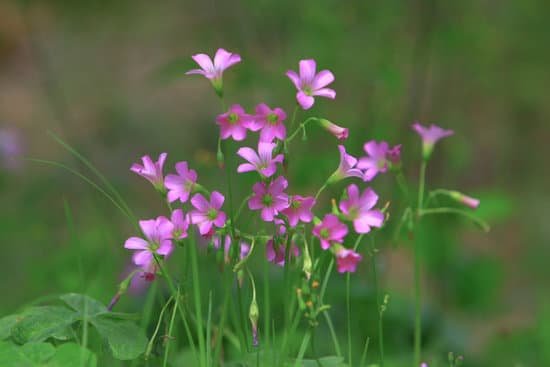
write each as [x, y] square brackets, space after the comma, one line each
[303, 348]
[348, 311]
[378, 303]
[170, 329]
[484, 225]
[197, 299]
[417, 265]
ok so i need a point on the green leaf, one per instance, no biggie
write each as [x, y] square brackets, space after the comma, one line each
[28, 355]
[71, 354]
[330, 361]
[126, 339]
[84, 304]
[39, 323]
[6, 323]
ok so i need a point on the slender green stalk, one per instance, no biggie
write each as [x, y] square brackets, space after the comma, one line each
[378, 303]
[480, 222]
[363, 360]
[155, 333]
[227, 296]
[197, 298]
[321, 189]
[348, 312]
[301, 127]
[209, 332]
[293, 120]
[170, 330]
[330, 324]
[417, 265]
[267, 310]
[402, 183]
[303, 348]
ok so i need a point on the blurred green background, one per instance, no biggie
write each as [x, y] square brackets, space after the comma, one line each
[108, 78]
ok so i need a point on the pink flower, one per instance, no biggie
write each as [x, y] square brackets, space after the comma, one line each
[430, 135]
[276, 253]
[270, 122]
[152, 171]
[347, 167]
[379, 156]
[157, 233]
[341, 133]
[263, 161]
[181, 185]
[180, 223]
[214, 70]
[207, 214]
[234, 123]
[347, 260]
[465, 199]
[359, 209]
[270, 198]
[309, 83]
[330, 230]
[299, 209]
[244, 248]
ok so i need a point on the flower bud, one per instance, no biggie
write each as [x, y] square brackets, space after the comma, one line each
[341, 133]
[254, 314]
[464, 199]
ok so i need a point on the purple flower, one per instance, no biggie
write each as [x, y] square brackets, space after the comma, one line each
[152, 171]
[330, 230]
[358, 208]
[270, 198]
[299, 209]
[234, 123]
[341, 133]
[180, 223]
[309, 83]
[217, 243]
[379, 157]
[263, 161]
[276, 253]
[207, 214]
[181, 185]
[347, 167]
[157, 233]
[270, 122]
[214, 70]
[347, 260]
[430, 135]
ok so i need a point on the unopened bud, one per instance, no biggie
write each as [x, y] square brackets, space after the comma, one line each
[464, 199]
[341, 133]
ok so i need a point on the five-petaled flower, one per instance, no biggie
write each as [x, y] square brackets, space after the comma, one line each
[299, 209]
[330, 231]
[346, 168]
[234, 123]
[150, 170]
[347, 260]
[270, 122]
[310, 84]
[207, 214]
[158, 234]
[430, 135]
[213, 70]
[262, 161]
[181, 185]
[269, 198]
[379, 156]
[358, 208]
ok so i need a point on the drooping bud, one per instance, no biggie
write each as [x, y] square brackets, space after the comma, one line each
[464, 199]
[341, 133]
[254, 313]
[122, 288]
[307, 263]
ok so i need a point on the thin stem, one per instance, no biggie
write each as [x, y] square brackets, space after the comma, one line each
[227, 296]
[152, 340]
[348, 311]
[209, 332]
[333, 334]
[484, 225]
[417, 265]
[402, 183]
[321, 189]
[197, 298]
[294, 116]
[301, 127]
[421, 183]
[378, 303]
[303, 348]
[170, 329]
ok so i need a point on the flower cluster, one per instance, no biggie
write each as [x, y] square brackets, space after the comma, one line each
[290, 214]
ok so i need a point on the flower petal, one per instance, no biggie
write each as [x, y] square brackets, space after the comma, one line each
[204, 62]
[216, 199]
[136, 243]
[304, 100]
[307, 70]
[322, 79]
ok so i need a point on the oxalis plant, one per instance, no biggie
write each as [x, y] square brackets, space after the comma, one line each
[293, 230]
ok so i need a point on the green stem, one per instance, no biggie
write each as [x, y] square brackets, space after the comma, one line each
[154, 336]
[303, 348]
[300, 127]
[417, 265]
[197, 299]
[378, 303]
[348, 311]
[170, 329]
[227, 296]
[402, 183]
[321, 189]
[327, 315]
[484, 225]
[293, 116]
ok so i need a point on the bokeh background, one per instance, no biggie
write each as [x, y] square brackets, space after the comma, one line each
[108, 78]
